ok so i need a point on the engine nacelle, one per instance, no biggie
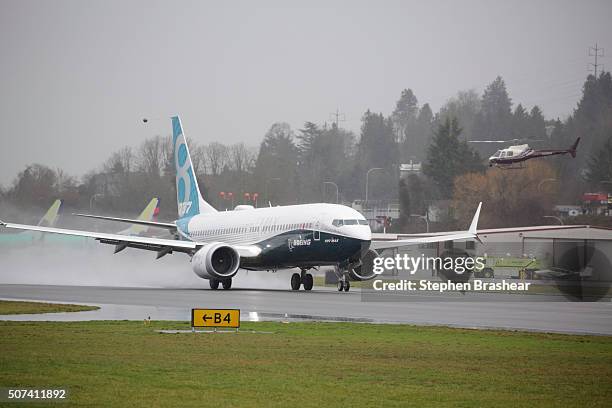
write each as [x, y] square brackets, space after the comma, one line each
[365, 270]
[216, 261]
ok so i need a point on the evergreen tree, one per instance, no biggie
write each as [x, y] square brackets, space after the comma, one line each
[277, 161]
[378, 148]
[536, 124]
[520, 125]
[448, 157]
[494, 122]
[465, 106]
[423, 132]
[306, 141]
[599, 165]
[406, 110]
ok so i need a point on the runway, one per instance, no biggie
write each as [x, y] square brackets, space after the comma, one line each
[325, 304]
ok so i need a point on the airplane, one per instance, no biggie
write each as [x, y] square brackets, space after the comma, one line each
[149, 213]
[509, 156]
[303, 236]
[27, 237]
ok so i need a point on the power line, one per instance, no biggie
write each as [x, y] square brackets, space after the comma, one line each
[594, 52]
[337, 115]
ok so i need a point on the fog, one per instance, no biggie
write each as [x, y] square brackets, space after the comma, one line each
[89, 263]
[77, 76]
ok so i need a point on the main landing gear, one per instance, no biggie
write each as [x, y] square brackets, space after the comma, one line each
[302, 278]
[214, 283]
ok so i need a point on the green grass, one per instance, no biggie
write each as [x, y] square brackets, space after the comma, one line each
[306, 365]
[13, 307]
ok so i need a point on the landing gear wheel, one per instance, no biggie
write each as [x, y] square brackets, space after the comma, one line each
[214, 284]
[308, 281]
[340, 286]
[296, 281]
[227, 283]
[347, 286]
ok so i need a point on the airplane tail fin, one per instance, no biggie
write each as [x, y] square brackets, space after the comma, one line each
[572, 150]
[148, 214]
[52, 214]
[189, 199]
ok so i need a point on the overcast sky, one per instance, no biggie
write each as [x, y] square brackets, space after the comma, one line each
[77, 76]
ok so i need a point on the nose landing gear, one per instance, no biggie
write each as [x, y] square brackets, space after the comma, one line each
[343, 282]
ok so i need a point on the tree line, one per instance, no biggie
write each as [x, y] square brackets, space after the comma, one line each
[306, 165]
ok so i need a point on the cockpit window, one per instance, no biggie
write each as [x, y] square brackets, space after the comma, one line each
[340, 223]
[497, 153]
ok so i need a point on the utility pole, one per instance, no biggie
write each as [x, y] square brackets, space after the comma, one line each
[595, 52]
[336, 117]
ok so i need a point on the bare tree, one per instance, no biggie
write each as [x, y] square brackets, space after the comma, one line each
[150, 156]
[242, 159]
[121, 161]
[198, 159]
[216, 153]
[167, 156]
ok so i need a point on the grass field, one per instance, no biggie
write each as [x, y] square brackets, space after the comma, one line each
[12, 307]
[305, 364]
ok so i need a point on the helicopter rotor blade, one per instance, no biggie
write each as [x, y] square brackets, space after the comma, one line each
[506, 141]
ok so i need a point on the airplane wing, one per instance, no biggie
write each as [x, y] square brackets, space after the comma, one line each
[170, 226]
[471, 233]
[161, 246]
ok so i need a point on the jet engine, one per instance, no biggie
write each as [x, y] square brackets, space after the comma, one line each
[216, 261]
[364, 270]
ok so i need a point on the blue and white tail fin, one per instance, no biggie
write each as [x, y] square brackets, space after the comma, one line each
[189, 199]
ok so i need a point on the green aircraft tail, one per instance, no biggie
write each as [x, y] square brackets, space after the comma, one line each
[52, 214]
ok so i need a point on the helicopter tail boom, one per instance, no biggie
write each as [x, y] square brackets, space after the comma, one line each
[572, 150]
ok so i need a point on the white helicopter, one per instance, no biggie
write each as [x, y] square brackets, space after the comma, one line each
[508, 157]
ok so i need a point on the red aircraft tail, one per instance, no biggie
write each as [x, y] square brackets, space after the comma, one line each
[572, 150]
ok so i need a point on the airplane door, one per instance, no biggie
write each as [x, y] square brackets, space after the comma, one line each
[316, 231]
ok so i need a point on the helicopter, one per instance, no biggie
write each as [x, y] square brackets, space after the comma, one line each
[507, 158]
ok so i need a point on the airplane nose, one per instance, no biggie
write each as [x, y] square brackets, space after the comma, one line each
[361, 232]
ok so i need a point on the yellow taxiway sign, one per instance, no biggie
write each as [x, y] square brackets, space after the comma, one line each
[215, 318]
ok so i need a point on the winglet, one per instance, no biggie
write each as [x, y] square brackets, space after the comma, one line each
[474, 224]
[2, 223]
